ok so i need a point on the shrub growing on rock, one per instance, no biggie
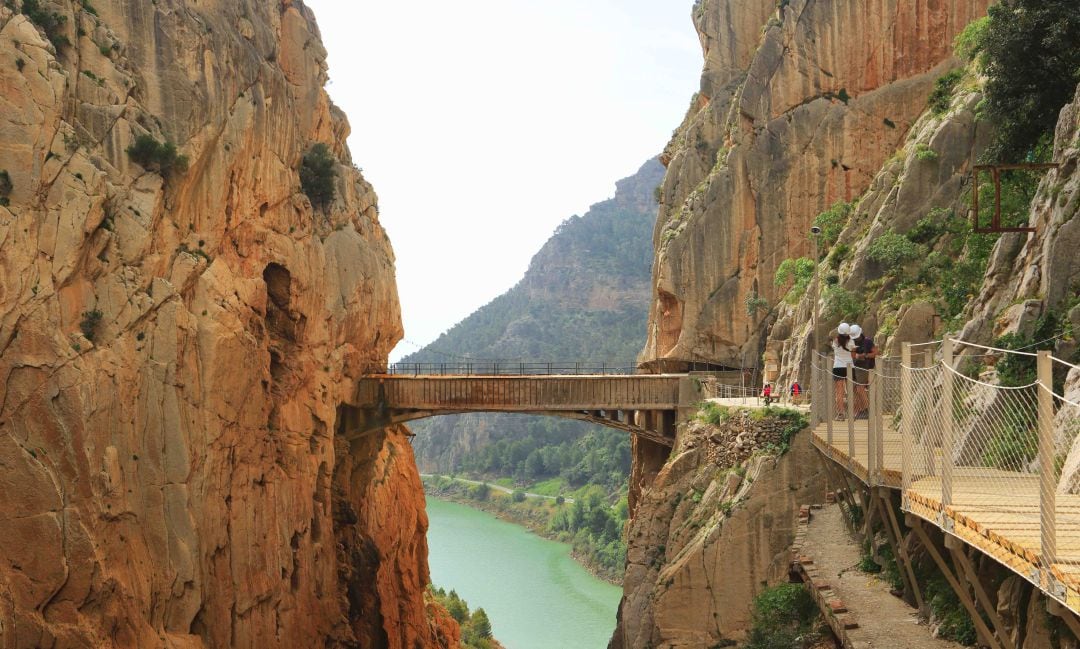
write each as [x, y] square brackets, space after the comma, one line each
[152, 155]
[50, 22]
[892, 250]
[941, 96]
[833, 220]
[785, 616]
[6, 188]
[841, 303]
[89, 324]
[797, 271]
[317, 174]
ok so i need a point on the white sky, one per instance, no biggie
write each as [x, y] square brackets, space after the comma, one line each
[483, 124]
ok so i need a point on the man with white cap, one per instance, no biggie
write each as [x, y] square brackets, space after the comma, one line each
[864, 354]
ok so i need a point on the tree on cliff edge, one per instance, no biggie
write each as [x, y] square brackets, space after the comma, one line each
[1030, 52]
[317, 174]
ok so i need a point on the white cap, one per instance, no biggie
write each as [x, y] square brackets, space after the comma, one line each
[844, 329]
[856, 331]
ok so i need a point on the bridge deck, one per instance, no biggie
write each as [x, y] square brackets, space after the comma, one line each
[644, 405]
[1003, 525]
[523, 393]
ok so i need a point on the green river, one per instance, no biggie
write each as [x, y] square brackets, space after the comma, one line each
[536, 595]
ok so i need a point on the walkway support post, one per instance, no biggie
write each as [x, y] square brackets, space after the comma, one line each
[948, 425]
[849, 399]
[906, 424]
[1047, 473]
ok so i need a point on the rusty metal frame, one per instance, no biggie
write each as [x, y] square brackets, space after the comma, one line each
[995, 173]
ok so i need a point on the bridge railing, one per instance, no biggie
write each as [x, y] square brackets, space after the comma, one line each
[512, 368]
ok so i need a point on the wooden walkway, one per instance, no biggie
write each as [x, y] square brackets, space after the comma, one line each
[1000, 522]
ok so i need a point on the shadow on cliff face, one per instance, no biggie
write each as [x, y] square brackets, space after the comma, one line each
[358, 554]
[284, 326]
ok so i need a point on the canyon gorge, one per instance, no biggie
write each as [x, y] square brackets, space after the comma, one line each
[194, 277]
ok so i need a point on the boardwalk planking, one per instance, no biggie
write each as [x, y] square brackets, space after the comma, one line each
[995, 511]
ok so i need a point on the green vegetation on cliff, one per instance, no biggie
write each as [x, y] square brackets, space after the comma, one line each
[785, 617]
[475, 625]
[1028, 51]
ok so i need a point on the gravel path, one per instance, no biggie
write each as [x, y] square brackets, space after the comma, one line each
[885, 621]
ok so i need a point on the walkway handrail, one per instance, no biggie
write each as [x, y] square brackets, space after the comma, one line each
[969, 447]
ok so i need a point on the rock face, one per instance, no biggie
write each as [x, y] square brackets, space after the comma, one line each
[714, 526]
[174, 346]
[911, 186]
[1042, 266]
[799, 107]
[1032, 276]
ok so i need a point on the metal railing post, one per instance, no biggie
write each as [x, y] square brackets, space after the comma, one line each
[1047, 473]
[906, 422]
[872, 440]
[815, 393]
[849, 409]
[949, 425]
[879, 426]
[830, 400]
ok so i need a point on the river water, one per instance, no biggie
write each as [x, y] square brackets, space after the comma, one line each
[536, 595]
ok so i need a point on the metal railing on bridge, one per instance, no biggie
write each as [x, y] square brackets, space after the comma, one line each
[980, 443]
[512, 368]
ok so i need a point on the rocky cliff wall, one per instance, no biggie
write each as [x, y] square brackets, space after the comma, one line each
[800, 105]
[928, 178]
[714, 528]
[174, 346]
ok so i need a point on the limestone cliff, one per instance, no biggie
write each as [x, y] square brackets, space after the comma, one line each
[801, 103]
[927, 181]
[713, 527]
[174, 345]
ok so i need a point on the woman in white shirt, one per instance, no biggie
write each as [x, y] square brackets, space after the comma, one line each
[842, 360]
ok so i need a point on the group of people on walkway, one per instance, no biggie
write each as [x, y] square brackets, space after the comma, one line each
[853, 351]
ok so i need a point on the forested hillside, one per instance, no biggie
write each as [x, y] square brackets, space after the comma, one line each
[584, 298]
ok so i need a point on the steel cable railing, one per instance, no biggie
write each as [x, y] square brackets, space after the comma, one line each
[996, 459]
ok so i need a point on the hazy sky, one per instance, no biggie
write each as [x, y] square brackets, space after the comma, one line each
[485, 123]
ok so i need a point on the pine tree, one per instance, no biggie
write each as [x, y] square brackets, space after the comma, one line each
[481, 624]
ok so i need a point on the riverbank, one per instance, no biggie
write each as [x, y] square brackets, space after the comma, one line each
[591, 528]
[535, 595]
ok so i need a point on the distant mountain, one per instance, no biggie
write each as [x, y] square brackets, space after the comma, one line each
[585, 297]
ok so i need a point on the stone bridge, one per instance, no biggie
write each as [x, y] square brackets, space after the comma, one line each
[646, 405]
